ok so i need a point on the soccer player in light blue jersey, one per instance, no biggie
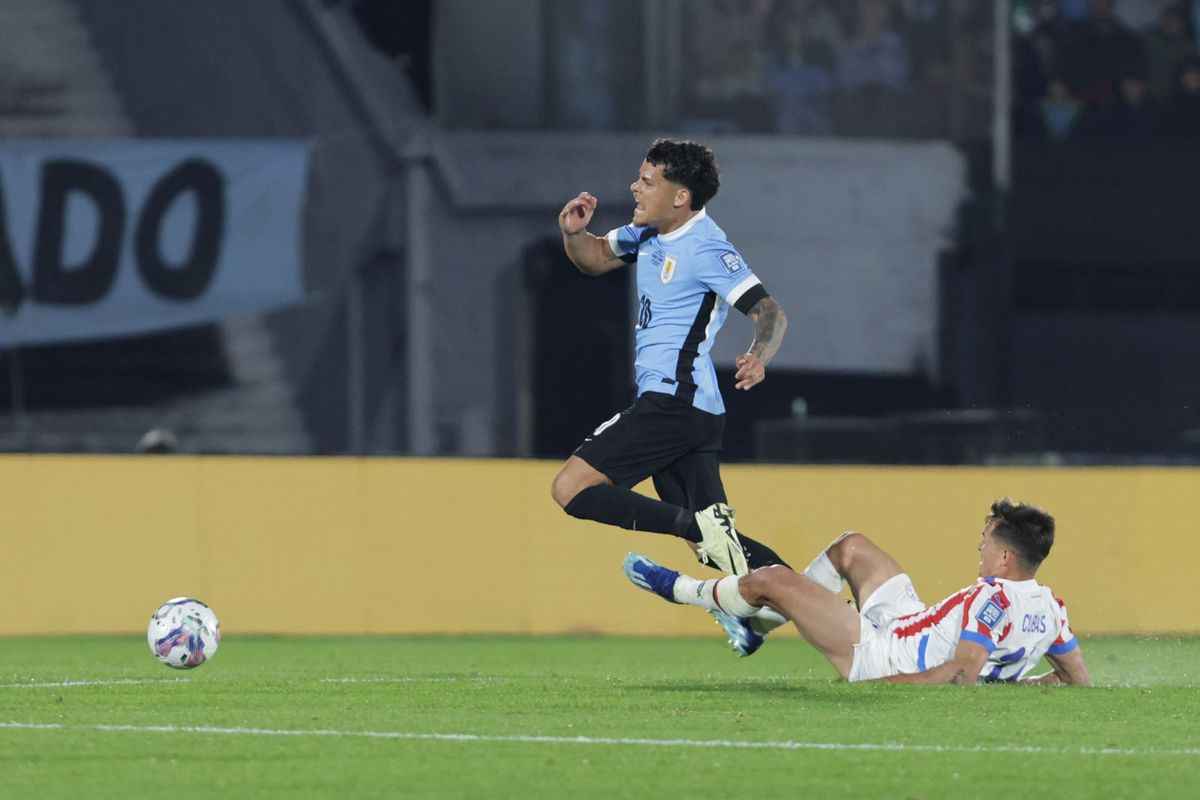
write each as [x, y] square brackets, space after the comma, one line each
[688, 275]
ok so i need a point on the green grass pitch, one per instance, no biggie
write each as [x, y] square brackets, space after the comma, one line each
[512, 717]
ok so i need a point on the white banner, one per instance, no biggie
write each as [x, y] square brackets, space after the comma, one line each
[111, 238]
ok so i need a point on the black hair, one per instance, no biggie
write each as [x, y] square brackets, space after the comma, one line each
[1026, 529]
[690, 164]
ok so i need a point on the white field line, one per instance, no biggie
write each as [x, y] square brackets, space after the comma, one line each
[116, 682]
[511, 678]
[419, 679]
[891, 747]
[481, 679]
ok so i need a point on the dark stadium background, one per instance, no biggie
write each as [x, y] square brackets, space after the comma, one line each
[1060, 309]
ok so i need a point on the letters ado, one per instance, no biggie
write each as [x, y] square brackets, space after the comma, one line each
[54, 282]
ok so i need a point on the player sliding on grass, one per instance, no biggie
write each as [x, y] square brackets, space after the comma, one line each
[996, 630]
[688, 276]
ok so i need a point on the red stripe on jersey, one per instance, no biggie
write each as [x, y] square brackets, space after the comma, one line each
[1061, 621]
[967, 608]
[949, 604]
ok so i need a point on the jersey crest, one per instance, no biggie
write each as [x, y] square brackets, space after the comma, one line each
[668, 270]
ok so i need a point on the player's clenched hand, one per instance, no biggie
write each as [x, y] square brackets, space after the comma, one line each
[577, 213]
[751, 371]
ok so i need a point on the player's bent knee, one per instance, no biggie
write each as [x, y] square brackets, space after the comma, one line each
[563, 490]
[846, 547]
[565, 486]
[575, 476]
[842, 537]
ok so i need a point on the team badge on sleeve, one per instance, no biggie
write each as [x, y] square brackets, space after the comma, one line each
[732, 261]
[668, 270]
[990, 615]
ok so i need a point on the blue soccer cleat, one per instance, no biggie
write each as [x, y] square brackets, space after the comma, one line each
[650, 576]
[743, 640]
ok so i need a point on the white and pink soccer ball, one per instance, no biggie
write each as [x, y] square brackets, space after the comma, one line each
[183, 633]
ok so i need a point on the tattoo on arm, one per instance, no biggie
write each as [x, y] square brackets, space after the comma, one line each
[959, 677]
[769, 324]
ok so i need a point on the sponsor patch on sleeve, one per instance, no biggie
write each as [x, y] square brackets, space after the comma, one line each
[991, 614]
[732, 261]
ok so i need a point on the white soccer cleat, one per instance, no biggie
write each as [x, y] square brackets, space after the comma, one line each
[720, 547]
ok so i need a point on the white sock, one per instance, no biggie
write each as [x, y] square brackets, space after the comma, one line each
[716, 595]
[728, 594]
[690, 590]
[766, 620]
[823, 572]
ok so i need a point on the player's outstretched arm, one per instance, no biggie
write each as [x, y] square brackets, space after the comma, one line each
[964, 668]
[770, 323]
[591, 254]
[1069, 669]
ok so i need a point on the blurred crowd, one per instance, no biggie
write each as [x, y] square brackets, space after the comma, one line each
[826, 67]
[1125, 70]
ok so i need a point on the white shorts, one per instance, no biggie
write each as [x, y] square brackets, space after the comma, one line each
[894, 598]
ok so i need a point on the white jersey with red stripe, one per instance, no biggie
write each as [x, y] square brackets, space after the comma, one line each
[1018, 622]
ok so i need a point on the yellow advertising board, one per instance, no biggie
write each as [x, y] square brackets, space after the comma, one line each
[93, 544]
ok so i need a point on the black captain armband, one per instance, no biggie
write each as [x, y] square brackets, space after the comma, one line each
[750, 298]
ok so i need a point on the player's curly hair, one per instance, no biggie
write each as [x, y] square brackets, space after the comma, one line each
[1027, 529]
[690, 164]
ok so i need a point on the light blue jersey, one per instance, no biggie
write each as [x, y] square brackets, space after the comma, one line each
[686, 280]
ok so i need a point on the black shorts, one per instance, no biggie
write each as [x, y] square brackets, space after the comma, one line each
[663, 438]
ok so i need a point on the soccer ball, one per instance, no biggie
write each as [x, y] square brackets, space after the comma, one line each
[183, 633]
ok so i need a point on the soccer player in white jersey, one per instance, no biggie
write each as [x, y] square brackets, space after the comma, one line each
[688, 274]
[997, 629]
